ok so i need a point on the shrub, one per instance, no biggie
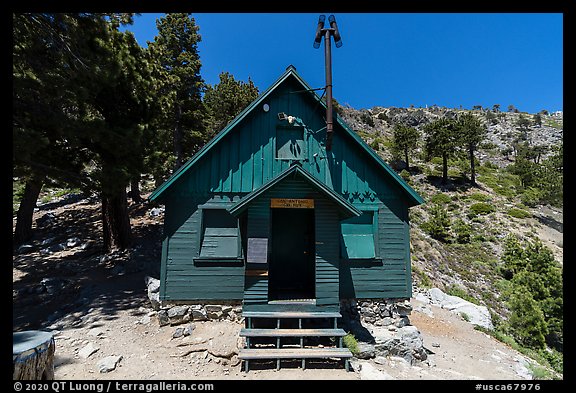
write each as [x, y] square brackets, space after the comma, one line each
[518, 213]
[480, 197]
[404, 174]
[351, 343]
[438, 226]
[462, 231]
[440, 198]
[482, 208]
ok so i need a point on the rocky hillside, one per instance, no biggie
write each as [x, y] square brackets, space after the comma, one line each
[479, 219]
[377, 124]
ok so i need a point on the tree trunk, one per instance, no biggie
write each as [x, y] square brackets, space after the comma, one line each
[406, 159]
[472, 167]
[115, 221]
[444, 168]
[23, 230]
[178, 138]
[33, 355]
[134, 193]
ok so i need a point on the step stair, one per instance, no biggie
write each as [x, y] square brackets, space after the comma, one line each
[292, 351]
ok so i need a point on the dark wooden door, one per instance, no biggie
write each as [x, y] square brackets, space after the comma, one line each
[291, 274]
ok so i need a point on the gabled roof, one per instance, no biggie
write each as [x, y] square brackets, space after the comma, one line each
[290, 72]
[295, 170]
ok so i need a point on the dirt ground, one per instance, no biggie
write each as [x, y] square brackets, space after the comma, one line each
[97, 300]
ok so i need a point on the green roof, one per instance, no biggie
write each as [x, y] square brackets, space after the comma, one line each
[413, 196]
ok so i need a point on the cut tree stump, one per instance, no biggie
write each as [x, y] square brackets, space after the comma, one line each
[33, 355]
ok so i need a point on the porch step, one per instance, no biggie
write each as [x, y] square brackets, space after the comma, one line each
[290, 314]
[294, 353]
[292, 333]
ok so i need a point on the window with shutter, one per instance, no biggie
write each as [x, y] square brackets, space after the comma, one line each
[220, 235]
[358, 237]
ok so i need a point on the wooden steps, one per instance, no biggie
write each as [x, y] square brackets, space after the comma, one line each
[294, 353]
[308, 327]
[292, 333]
[290, 314]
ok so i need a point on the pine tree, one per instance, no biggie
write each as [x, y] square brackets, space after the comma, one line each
[442, 140]
[180, 127]
[227, 99]
[405, 139]
[471, 132]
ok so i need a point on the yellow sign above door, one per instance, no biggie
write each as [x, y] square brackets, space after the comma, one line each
[286, 203]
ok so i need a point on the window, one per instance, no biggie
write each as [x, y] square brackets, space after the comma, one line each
[358, 237]
[290, 143]
[220, 235]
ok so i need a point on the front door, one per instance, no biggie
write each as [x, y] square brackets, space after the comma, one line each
[292, 264]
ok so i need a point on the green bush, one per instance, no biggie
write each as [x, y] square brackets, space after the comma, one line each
[404, 174]
[518, 213]
[479, 197]
[462, 231]
[438, 226]
[351, 343]
[440, 198]
[531, 196]
[482, 208]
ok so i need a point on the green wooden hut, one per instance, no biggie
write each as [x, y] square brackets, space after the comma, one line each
[265, 216]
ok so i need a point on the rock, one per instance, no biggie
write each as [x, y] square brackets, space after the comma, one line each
[156, 212]
[476, 315]
[88, 350]
[178, 315]
[73, 242]
[25, 248]
[154, 300]
[179, 332]
[95, 332]
[403, 308]
[380, 360]
[401, 322]
[405, 342]
[369, 372]
[198, 314]
[213, 311]
[145, 320]
[365, 350]
[188, 330]
[153, 284]
[46, 219]
[163, 319]
[108, 364]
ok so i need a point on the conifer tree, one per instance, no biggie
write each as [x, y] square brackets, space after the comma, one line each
[227, 99]
[471, 132]
[180, 127]
[442, 140]
[404, 139]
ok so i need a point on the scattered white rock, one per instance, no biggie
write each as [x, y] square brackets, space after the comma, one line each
[369, 372]
[88, 350]
[108, 364]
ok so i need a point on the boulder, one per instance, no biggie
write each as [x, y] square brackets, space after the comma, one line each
[405, 342]
[476, 315]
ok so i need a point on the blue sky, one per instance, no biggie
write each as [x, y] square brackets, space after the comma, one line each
[393, 59]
